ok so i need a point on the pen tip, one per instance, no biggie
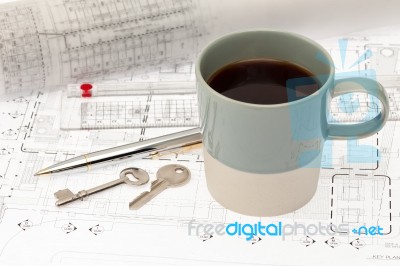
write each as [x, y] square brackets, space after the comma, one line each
[41, 172]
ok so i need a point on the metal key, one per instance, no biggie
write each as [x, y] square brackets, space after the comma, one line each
[142, 177]
[172, 175]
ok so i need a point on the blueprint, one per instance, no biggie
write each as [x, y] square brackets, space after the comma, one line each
[46, 44]
[49, 43]
[359, 181]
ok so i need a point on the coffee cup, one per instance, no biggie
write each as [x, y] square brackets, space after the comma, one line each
[265, 159]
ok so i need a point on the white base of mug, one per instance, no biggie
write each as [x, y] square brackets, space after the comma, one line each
[260, 194]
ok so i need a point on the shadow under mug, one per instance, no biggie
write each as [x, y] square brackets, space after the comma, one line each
[264, 160]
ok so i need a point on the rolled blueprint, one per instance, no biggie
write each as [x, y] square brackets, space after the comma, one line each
[49, 43]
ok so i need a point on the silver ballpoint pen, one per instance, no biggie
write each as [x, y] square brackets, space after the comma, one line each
[150, 147]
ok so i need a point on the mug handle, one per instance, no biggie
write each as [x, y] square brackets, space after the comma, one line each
[364, 129]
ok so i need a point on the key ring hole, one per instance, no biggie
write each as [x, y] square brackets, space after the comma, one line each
[179, 170]
[132, 177]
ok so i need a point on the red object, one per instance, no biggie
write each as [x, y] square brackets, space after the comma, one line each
[86, 94]
[86, 90]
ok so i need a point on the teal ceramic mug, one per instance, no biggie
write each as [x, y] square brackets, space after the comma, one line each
[264, 159]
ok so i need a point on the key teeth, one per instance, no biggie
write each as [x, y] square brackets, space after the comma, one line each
[133, 205]
[146, 196]
[64, 193]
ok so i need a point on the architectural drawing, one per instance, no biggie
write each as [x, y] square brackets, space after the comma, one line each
[48, 43]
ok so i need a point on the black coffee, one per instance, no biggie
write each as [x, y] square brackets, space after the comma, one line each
[264, 81]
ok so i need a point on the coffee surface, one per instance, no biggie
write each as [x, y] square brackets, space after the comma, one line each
[264, 81]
